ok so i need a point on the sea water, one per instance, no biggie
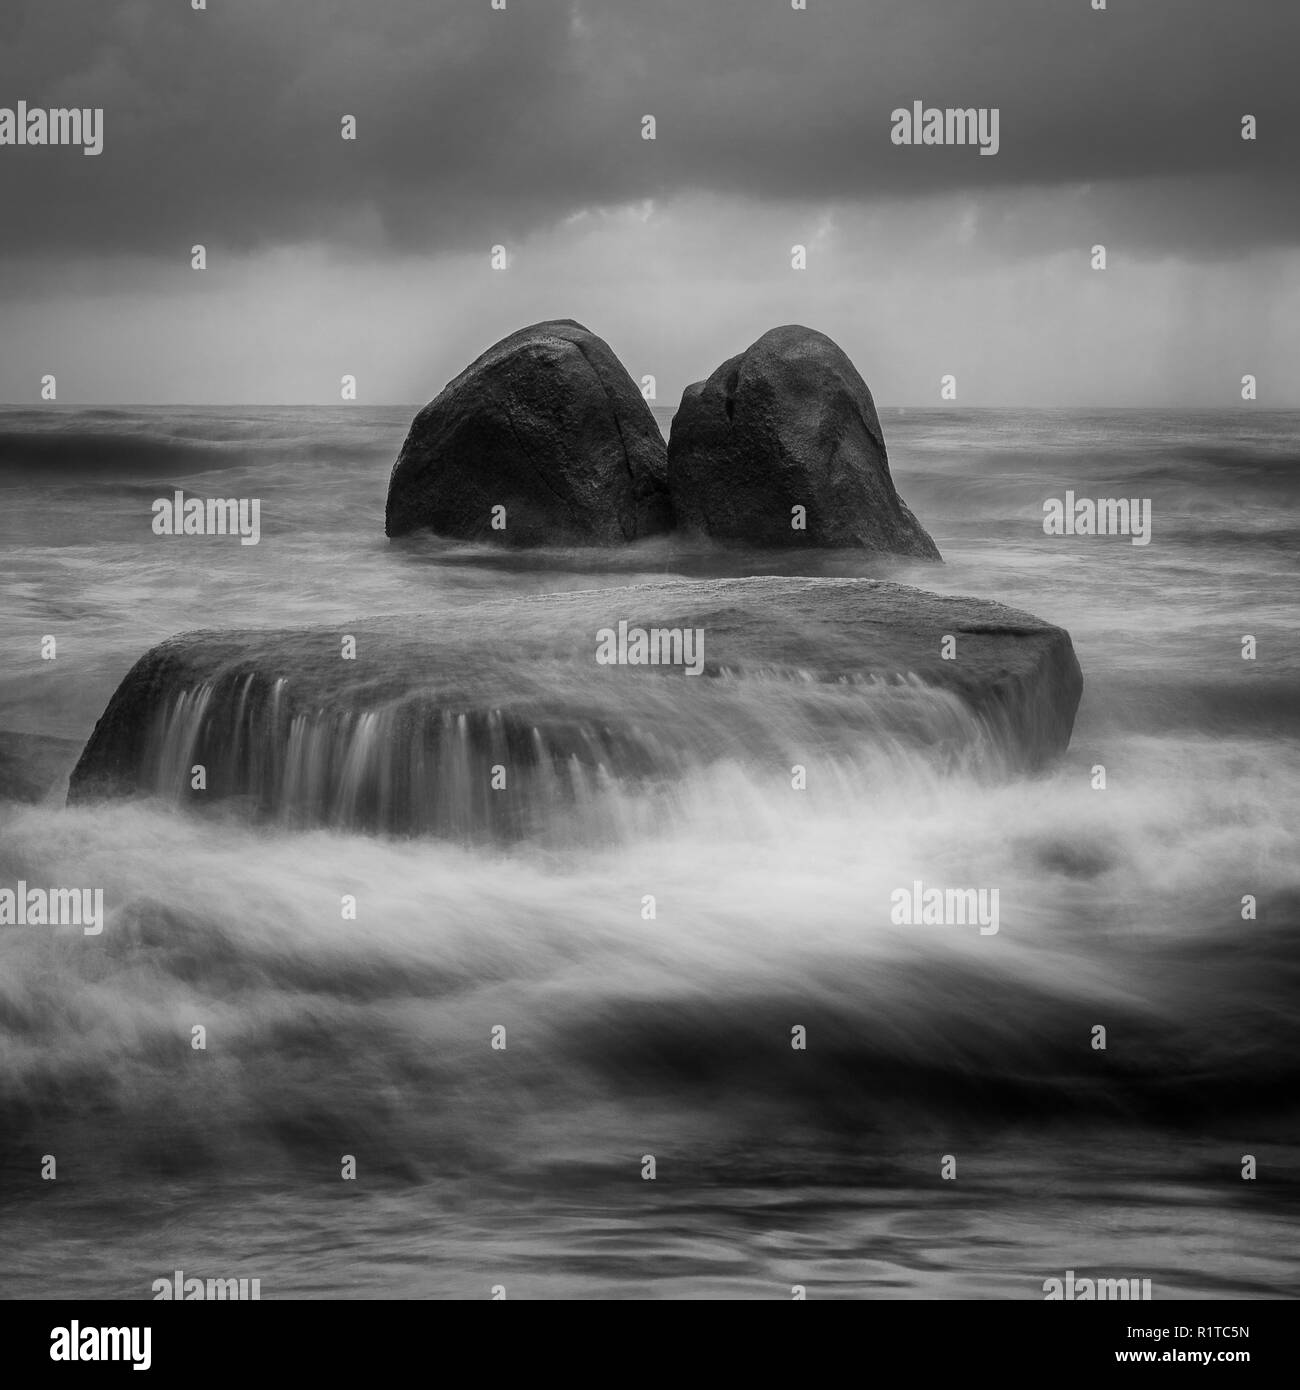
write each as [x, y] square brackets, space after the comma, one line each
[929, 1049]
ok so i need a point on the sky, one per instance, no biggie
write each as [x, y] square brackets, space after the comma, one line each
[523, 128]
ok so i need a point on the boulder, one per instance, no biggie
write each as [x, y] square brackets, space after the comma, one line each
[547, 424]
[408, 736]
[787, 423]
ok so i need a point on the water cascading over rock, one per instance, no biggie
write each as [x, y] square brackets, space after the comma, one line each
[495, 721]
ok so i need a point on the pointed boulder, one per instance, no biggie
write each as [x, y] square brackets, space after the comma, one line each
[788, 424]
[546, 425]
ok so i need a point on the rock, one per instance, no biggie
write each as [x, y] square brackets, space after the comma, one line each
[405, 737]
[547, 424]
[789, 422]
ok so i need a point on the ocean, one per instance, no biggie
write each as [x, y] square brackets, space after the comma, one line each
[929, 1049]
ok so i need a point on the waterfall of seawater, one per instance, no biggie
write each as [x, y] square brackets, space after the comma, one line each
[417, 766]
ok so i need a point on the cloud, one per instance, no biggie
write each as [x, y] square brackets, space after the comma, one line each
[478, 126]
[909, 300]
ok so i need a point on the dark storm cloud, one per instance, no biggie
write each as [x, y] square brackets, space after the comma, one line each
[478, 126]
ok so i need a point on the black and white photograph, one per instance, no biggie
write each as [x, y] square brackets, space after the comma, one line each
[650, 652]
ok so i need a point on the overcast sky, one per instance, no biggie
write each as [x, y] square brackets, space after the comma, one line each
[524, 127]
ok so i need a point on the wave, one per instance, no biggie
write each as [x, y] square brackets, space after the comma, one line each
[50, 455]
[1251, 706]
[119, 445]
[581, 770]
[667, 1033]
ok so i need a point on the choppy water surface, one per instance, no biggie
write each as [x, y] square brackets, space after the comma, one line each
[669, 1037]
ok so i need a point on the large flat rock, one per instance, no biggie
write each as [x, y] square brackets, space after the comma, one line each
[406, 736]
